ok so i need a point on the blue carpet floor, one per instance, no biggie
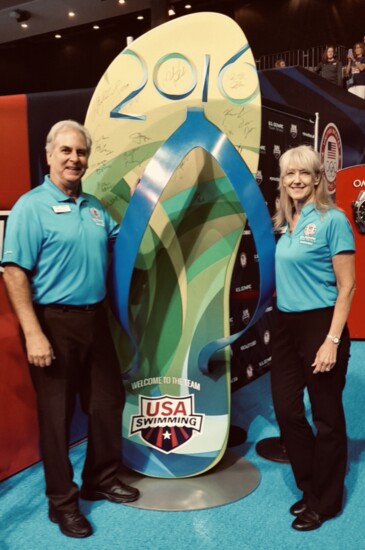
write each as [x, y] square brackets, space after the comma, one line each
[260, 521]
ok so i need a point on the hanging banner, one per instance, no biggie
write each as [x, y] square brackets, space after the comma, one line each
[350, 196]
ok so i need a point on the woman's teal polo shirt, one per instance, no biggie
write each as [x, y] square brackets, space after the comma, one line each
[304, 273]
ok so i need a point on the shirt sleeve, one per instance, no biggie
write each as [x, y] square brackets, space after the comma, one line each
[339, 73]
[113, 234]
[340, 236]
[23, 235]
[112, 228]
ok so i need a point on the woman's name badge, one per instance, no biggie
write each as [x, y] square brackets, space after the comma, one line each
[61, 208]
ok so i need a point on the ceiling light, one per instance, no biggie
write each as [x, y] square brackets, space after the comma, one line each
[58, 36]
[71, 14]
[140, 17]
[24, 25]
[96, 27]
[171, 11]
[188, 6]
[121, 1]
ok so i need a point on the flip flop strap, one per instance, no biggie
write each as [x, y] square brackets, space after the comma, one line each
[195, 132]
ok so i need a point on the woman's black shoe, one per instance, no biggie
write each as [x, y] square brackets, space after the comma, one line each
[298, 508]
[309, 520]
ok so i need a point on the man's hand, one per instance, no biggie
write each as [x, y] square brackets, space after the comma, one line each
[39, 350]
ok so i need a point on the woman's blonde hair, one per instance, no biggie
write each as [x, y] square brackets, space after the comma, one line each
[305, 157]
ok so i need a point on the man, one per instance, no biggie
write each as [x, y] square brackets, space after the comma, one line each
[55, 261]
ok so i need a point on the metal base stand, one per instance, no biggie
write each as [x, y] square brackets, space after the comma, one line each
[237, 436]
[232, 479]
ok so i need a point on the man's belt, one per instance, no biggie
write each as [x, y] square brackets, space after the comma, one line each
[71, 307]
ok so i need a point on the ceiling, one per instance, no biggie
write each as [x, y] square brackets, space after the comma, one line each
[52, 15]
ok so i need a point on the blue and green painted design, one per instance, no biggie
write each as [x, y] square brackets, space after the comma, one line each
[195, 149]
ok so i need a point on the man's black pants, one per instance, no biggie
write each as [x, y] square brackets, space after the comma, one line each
[85, 364]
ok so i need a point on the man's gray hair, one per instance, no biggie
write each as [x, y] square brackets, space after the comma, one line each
[64, 125]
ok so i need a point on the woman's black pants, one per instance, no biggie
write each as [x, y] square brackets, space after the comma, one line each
[318, 456]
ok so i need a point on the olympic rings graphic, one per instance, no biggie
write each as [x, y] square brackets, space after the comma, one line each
[331, 167]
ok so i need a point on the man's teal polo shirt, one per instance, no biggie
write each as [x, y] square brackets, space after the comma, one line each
[303, 261]
[63, 244]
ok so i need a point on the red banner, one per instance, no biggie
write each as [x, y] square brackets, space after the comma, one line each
[15, 175]
[350, 184]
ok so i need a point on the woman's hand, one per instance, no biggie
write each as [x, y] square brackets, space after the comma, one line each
[326, 357]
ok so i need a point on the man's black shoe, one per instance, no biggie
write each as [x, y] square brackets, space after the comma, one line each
[309, 520]
[118, 492]
[298, 508]
[71, 524]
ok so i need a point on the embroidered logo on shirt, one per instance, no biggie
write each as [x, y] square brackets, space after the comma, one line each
[310, 229]
[95, 213]
[96, 216]
[308, 234]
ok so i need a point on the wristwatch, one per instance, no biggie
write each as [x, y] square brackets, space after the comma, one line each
[358, 210]
[334, 339]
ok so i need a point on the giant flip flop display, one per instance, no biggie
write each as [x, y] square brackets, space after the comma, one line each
[179, 111]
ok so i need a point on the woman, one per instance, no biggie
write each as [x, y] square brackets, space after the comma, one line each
[315, 283]
[280, 64]
[330, 68]
[355, 70]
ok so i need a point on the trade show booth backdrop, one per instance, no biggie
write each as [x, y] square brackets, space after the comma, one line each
[24, 123]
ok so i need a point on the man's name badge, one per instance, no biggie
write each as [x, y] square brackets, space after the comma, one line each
[61, 208]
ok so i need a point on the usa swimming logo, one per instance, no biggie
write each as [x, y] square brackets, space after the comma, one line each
[309, 232]
[95, 214]
[166, 422]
